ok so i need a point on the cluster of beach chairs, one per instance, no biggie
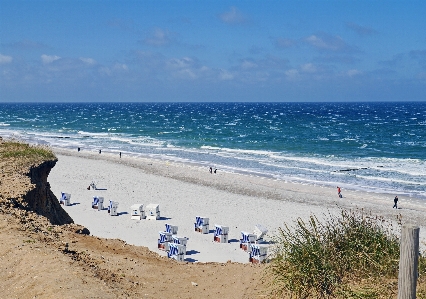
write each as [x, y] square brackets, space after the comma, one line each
[174, 245]
[251, 243]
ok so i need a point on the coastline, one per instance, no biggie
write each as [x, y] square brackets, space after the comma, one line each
[184, 191]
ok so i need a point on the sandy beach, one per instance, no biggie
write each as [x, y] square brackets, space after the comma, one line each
[184, 191]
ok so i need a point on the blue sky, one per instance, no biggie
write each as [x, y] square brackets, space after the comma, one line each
[166, 51]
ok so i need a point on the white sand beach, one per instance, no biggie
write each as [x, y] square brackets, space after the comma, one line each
[185, 191]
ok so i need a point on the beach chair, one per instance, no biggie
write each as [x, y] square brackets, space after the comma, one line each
[180, 240]
[163, 241]
[176, 251]
[258, 253]
[92, 185]
[112, 208]
[246, 240]
[138, 212]
[95, 202]
[153, 212]
[201, 224]
[221, 234]
[65, 199]
[100, 203]
[260, 231]
[171, 229]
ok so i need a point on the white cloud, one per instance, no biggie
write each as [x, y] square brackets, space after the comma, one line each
[225, 75]
[283, 43]
[49, 58]
[353, 72]
[327, 42]
[233, 16]
[158, 38]
[121, 67]
[89, 61]
[179, 63]
[246, 65]
[308, 68]
[5, 59]
[292, 74]
[361, 30]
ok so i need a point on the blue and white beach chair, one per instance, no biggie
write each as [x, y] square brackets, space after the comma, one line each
[171, 229]
[176, 251]
[180, 240]
[201, 224]
[257, 253]
[95, 202]
[246, 240]
[221, 234]
[163, 241]
[65, 199]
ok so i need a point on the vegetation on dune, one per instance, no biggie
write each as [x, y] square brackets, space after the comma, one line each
[352, 255]
[29, 153]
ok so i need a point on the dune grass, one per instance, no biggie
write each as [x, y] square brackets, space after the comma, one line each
[353, 255]
[30, 153]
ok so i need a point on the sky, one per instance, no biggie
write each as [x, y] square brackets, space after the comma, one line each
[212, 51]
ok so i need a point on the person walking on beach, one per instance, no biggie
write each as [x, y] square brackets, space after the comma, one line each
[339, 192]
[120, 154]
[395, 202]
[211, 170]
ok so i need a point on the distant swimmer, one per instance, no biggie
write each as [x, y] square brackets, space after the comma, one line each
[339, 192]
[395, 202]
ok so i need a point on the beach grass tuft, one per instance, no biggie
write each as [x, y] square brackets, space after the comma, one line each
[351, 255]
[19, 150]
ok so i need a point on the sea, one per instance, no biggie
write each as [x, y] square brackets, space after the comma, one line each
[374, 147]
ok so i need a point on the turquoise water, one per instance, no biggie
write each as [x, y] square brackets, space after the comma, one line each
[377, 147]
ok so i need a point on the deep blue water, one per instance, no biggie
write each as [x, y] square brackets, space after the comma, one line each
[376, 147]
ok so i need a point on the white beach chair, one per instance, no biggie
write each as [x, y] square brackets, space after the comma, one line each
[260, 231]
[221, 234]
[100, 203]
[112, 208]
[153, 212]
[138, 212]
[201, 224]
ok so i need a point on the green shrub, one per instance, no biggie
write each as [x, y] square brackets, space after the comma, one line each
[322, 260]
